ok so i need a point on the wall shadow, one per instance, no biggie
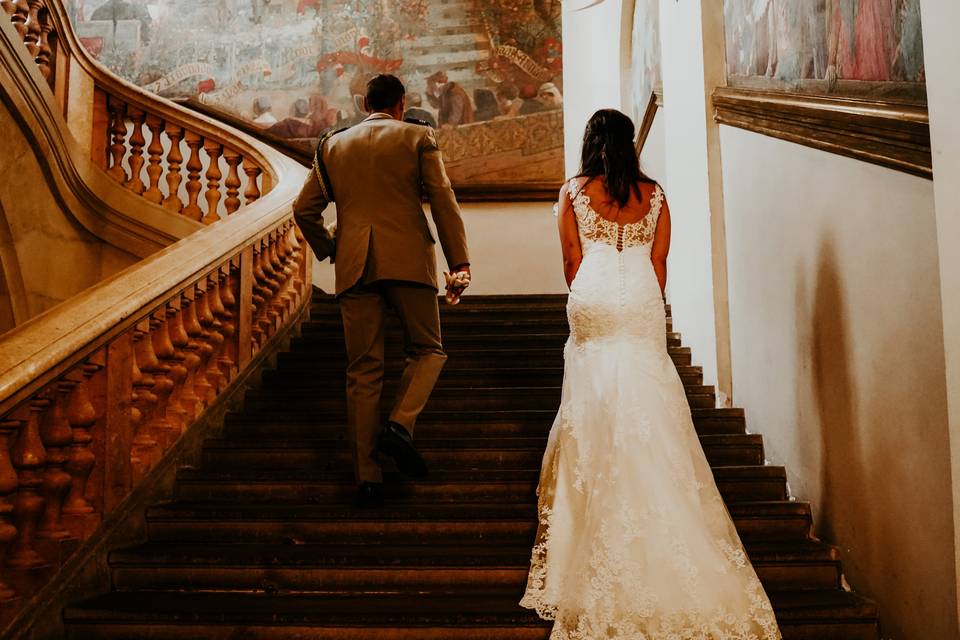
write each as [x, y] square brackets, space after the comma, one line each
[842, 470]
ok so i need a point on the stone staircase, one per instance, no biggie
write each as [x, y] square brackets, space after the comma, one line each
[262, 540]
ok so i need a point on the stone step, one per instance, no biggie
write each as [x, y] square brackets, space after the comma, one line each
[330, 398]
[742, 483]
[307, 361]
[803, 615]
[462, 523]
[516, 422]
[280, 380]
[443, 453]
[412, 568]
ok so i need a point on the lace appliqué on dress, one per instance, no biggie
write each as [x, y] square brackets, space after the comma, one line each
[596, 228]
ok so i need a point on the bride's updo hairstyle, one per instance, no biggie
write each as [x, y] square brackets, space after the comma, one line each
[608, 151]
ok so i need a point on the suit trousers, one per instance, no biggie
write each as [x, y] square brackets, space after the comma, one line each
[364, 310]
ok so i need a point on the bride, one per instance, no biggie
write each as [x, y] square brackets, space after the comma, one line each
[634, 540]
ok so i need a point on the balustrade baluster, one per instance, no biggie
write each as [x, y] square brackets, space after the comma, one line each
[8, 485]
[82, 416]
[299, 257]
[45, 54]
[163, 384]
[228, 295]
[144, 447]
[225, 327]
[194, 165]
[21, 11]
[211, 326]
[199, 337]
[213, 195]
[186, 400]
[232, 183]
[32, 39]
[154, 160]
[174, 174]
[191, 349]
[28, 459]
[56, 435]
[137, 141]
[252, 192]
[118, 133]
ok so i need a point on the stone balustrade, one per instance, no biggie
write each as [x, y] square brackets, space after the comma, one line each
[33, 22]
[189, 173]
[166, 154]
[85, 418]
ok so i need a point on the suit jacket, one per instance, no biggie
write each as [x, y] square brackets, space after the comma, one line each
[377, 169]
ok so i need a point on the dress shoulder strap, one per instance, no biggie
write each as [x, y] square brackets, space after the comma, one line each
[656, 201]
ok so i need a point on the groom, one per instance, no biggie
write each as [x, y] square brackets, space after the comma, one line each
[376, 171]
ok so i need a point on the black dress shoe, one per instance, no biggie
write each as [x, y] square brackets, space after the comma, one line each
[370, 494]
[395, 441]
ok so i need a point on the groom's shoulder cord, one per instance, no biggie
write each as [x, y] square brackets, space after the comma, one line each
[320, 170]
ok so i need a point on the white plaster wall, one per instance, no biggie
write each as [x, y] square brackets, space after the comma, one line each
[690, 270]
[593, 57]
[942, 51]
[837, 353]
[514, 248]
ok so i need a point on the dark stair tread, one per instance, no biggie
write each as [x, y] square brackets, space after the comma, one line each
[367, 609]
[459, 512]
[444, 442]
[445, 476]
[239, 554]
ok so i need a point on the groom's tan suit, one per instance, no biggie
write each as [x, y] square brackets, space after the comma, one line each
[384, 255]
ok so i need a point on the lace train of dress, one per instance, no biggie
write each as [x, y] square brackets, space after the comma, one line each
[635, 541]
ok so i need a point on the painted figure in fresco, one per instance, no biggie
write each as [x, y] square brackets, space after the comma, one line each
[788, 38]
[860, 36]
[451, 99]
[529, 103]
[486, 103]
[909, 55]
[549, 96]
[262, 112]
[415, 110]
[815, 40]
[763, 57]
[298, 125]
[508, 99]
[874, 31]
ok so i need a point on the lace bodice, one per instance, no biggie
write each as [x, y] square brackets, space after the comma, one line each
[595, 228]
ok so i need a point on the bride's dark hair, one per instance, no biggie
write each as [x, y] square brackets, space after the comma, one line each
[608, 151]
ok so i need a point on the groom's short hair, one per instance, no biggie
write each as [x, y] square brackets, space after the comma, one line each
[384, 91]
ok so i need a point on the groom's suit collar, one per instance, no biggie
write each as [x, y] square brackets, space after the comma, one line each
[378, 116]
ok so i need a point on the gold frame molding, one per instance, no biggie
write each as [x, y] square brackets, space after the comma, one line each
[890, 134]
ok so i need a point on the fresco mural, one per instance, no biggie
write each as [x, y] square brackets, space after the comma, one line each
[855, 48]
[486, 74]
[645, 55]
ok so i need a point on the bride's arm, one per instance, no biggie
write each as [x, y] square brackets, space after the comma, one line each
[661, 247]
[569, 236]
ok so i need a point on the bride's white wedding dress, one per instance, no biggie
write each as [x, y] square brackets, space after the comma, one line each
[634, 540]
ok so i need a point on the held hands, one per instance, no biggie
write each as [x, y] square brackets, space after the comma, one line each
[457, 282]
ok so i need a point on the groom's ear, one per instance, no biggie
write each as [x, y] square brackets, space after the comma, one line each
[363, 104]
